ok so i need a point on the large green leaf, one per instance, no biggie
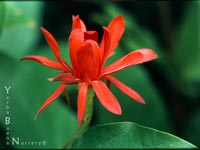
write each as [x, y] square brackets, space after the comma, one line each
[186, 52]
[192, 130]
[29, 89]
[21, 28]
[2, 16]
[128, 135]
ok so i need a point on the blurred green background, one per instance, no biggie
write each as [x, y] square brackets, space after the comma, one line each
[170, 84]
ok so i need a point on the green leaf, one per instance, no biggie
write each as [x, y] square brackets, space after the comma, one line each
[29, 89]
[186, 52]
[2, 16]
[21, 28]
[192, 130]
[128, 135]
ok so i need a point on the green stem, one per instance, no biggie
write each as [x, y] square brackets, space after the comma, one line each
[86, 121]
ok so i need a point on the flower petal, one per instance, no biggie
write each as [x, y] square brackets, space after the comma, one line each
[75, 41]
[126, 61]
[128, 91]
[148, 54]
[45, 61]
[91, 35]
[105, 45]
[82, 97]
[65, 78]
[55, 48]
[53, 96]
[88, 60]
[133, 58]
[106, 98]
[77, 23]
[116, 26]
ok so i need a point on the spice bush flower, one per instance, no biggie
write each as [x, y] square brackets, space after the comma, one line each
[88, 68]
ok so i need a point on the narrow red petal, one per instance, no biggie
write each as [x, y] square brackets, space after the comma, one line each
[126, 61]
[106, 98]
[77, 23]
[88, 60]
[65, 78]
[128, 91]
[148, 54]
[116, 26]
[105, 45]
[53, 96]
[55, 48]
[45, 61]
[82, 97]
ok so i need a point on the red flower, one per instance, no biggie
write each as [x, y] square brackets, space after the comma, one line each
[88, 60]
